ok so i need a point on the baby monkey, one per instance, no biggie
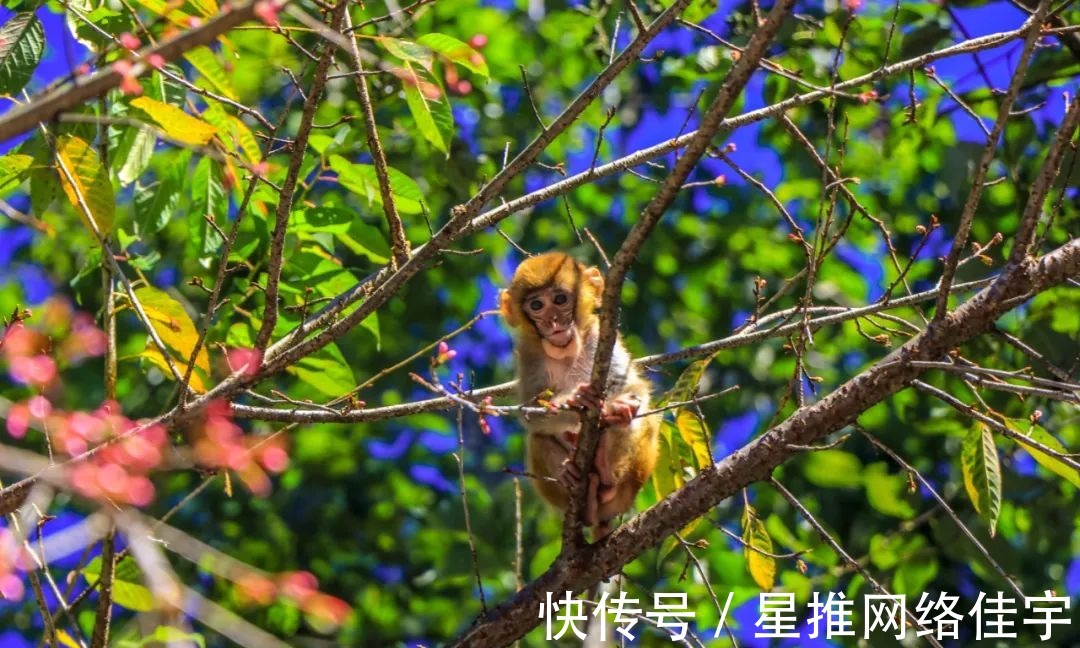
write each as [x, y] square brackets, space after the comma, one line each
[552, 303]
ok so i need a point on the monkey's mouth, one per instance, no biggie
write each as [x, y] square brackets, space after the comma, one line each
[560, 337]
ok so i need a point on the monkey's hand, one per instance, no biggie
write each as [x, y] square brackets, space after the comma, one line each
[585, 397]
[621, 410]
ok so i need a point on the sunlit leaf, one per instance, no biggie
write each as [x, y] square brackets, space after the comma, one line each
[429, 106]
[361, 180]
[128, 590]
[206, 62]
[12, 167]
[168, 10]
[176, 123]
[762, 567]
[695, 435]
[686, 386]
[134, 153]
[1050, 462]
[982, 474]
[22, 41]
[86, 183]
[208, 200]
[326, 371]
[667, 477]
[166, 636]
[456, 51]
[406, 50]
[176, 330]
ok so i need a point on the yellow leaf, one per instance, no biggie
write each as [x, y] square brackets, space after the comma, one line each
[1050, 462]
[177, 331]
[65, 639]
[755, 536]
[176, 123]
[167, 9]
[208, 8]
[695, 435]
[89, 187]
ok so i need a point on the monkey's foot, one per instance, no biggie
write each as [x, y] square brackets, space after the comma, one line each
[619, 412]
[585, 397]
[605, 493]
[569, 475]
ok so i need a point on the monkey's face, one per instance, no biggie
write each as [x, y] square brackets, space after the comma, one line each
[551, 311]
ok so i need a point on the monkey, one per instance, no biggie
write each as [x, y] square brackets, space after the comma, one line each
[551, 303]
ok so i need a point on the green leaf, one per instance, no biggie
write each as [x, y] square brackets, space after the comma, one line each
[233, 131]
[326, 371]
[176, 123]
[982, 474]
[428, 106]
[886, 492]
[22, 41]
[361, 180]
[667, 477]
[175, 328]
[406, 50]
[456, 51]
[89, 182]
[134, 153]
[156, 203]
[833, 469]
[12, 167]
[762, 568]
[208, 197]
[367, 240]
[165, 635]
[1050, 462]
[333, 220]
[695, 435]
[206, 62]
[686, 386]
[128, 590]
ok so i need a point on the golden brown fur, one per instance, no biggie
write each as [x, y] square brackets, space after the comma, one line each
[558, 371]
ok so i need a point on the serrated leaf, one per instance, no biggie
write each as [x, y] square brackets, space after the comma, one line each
[206, 63]
[982, 474]
[89, 182]
[176, 123]
[361, 180]
[326, 371]
[12, 167]
[406, 50]
[762, 568]
[22, 41]
[686, 386]
[695, 435]
[1050, 462]
[456, 51]
[428, 106]
[175, 328]
[128, 590]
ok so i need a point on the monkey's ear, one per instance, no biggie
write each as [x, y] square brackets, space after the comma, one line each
[506, 307]
[596, 279]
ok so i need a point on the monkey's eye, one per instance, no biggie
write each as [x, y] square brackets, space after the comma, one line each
[536, 304]
[560, 299]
